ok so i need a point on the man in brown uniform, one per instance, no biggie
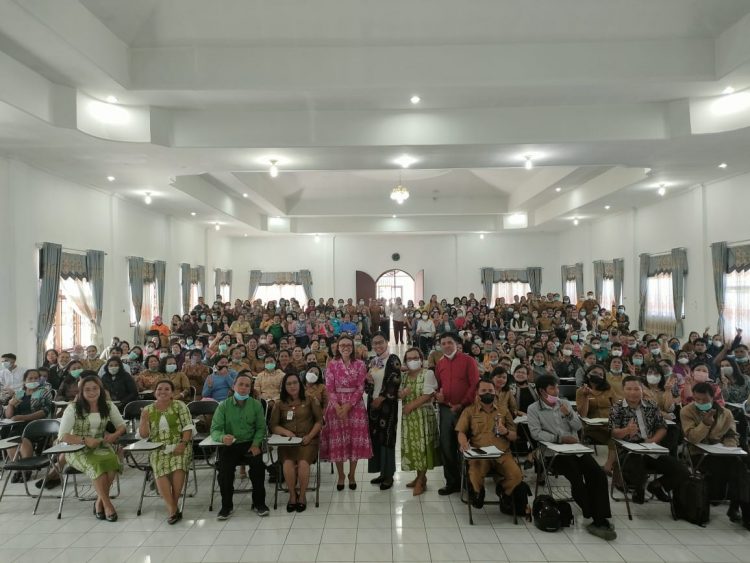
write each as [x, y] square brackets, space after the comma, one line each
[489, 424]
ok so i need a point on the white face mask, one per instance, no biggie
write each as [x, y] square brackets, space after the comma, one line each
[727, 370]
[311, 377]
[653, 379]
[413, 364]
[683, 361]
[567, 352]
[617, 353]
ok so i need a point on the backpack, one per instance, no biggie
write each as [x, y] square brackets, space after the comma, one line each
[690, 501]
[550, 515]
[519, 498]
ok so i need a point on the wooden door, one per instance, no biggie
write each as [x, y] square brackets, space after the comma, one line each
[365, 286]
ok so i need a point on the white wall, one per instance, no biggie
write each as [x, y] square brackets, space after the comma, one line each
[36, 207]
[694, 220]
[451, 262]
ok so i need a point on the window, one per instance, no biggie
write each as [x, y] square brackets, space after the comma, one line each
[393, 284]
[150, 306]
[509, 289]
[280, 291]
[571, 290]
[194, 294]
[224, 289]
[659, 305]
[69, 328]
[608, 293]
[736, 302]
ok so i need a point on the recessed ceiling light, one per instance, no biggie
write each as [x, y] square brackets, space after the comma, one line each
[317, 238]
[217, 227]
[111, 99]
[193, 213]
[607, 207]
[558, 189]
[529, 164]
[728, 90]
[111, 178]
[723, 165]
[244, 195]
[274, 169]
[415, 99]
[481, 236]
[393, 216]
[575, 222]
[245, 234]
[147, 199]
[662, 189]
[405, 160]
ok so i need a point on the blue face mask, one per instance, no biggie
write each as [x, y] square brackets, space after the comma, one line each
[239, 397]
[704, 406]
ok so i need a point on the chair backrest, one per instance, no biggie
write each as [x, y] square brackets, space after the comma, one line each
[41, 429]
[200, 408]
[568, 392]
[133, 409]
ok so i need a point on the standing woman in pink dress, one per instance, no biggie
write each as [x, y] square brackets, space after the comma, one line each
[345, 436]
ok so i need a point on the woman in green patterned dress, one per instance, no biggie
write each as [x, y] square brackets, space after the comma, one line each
[85, 421]
[419, 433]
[167, 421]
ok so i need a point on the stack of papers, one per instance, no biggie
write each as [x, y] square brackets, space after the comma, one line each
[719, 449]
[643, 447]
[595, 421]
[568, 448]
[279, 440]
[483, 452]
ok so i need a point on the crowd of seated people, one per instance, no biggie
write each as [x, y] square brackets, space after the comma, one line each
[470, 368]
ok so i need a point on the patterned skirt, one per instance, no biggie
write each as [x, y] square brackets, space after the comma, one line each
[164, 463]
[348, 439]
[96, 462]
[420, 449]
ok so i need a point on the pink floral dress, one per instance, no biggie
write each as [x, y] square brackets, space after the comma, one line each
[348, 439]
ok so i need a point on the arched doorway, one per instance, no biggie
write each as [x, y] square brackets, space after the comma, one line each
[393, 284]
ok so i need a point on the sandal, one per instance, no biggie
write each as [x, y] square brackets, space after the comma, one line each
[173, 519]
[111, 517]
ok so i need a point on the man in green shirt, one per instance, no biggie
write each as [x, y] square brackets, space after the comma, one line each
[239, 423]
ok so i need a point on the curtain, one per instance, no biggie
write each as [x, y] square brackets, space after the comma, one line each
[534, 276]
[255, 276]
[304, 277]
[608, 292]
[95, 275]
[50, 260]
[185, 286]
[619, 276]
[660, 313]
[487, 276]
[720, 263]
[736, 309]
[564, 278]
[679, 271]
[579, 281]
[598, 280]
[160, 275]
[202, 280]
[80, 294]
[135, 274]
[645, 261]
[509, 290]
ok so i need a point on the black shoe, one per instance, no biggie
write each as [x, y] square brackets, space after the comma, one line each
[291, 506]
[655, 488]
[477, 499]
[639, 496]
[16, 477]
[98, 515]
[301, 506]
[385, 485]
[734, 513]
[445, 491]
[173, 519]
[379, 479]
[112, 517]
[339, 486]
[261, 510]
[528, 464]
[224, 514]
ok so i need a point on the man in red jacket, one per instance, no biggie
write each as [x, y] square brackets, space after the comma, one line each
[457, 375]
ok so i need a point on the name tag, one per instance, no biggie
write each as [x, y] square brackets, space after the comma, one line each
[289, 415]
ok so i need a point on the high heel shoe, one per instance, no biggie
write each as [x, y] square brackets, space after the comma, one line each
[352, 483]
[98, 515]
[339, 486]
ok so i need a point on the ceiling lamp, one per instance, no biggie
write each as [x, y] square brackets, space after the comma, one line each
[723, 165]
[558, 189]
[399, 194]
[193, 213]
[217, 227]
[662, 189]
[607, 207]
[415, 99]
[111, 99]
[273, 170]
[111, 178]
[728, 90]
[147, 199]
[529, 164]
[481, 236]
[405, 160]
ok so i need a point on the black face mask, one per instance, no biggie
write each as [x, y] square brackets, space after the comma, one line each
[487, 398]
[596, 381]
[312, 364]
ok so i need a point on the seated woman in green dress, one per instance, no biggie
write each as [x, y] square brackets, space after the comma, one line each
[168, 421]
[85, 422]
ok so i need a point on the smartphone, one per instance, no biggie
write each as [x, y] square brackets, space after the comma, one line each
[479, 451]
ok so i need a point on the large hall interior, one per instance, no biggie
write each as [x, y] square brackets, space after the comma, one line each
[495, 251]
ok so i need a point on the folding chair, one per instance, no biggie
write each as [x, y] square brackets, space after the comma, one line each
[626, 450]
[209, 445]
[706, 451]
[198, 409]
[546, 463]
[144, 446]
[42, 434]
[132, 417]
[284, 442]
[465, 484]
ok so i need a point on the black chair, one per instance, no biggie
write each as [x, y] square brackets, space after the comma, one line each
[568, 392]
[42, 434]
[132, 416]
[200, 409]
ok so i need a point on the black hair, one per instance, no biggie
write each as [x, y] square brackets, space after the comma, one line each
[452, 335]
[10, 356]
[703, 387]
[629, 378]
[28, 371]
[544, 381]
[285, 397]
[163, 362]
[82, 405]
[167, 381]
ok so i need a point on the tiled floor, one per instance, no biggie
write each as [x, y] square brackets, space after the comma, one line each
[362, 525]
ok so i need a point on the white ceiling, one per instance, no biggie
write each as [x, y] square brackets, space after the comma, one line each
[209, 92]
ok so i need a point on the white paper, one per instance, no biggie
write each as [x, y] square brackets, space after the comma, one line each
[719, 449]
[595, 421]
[489, 451]
[568, 448]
